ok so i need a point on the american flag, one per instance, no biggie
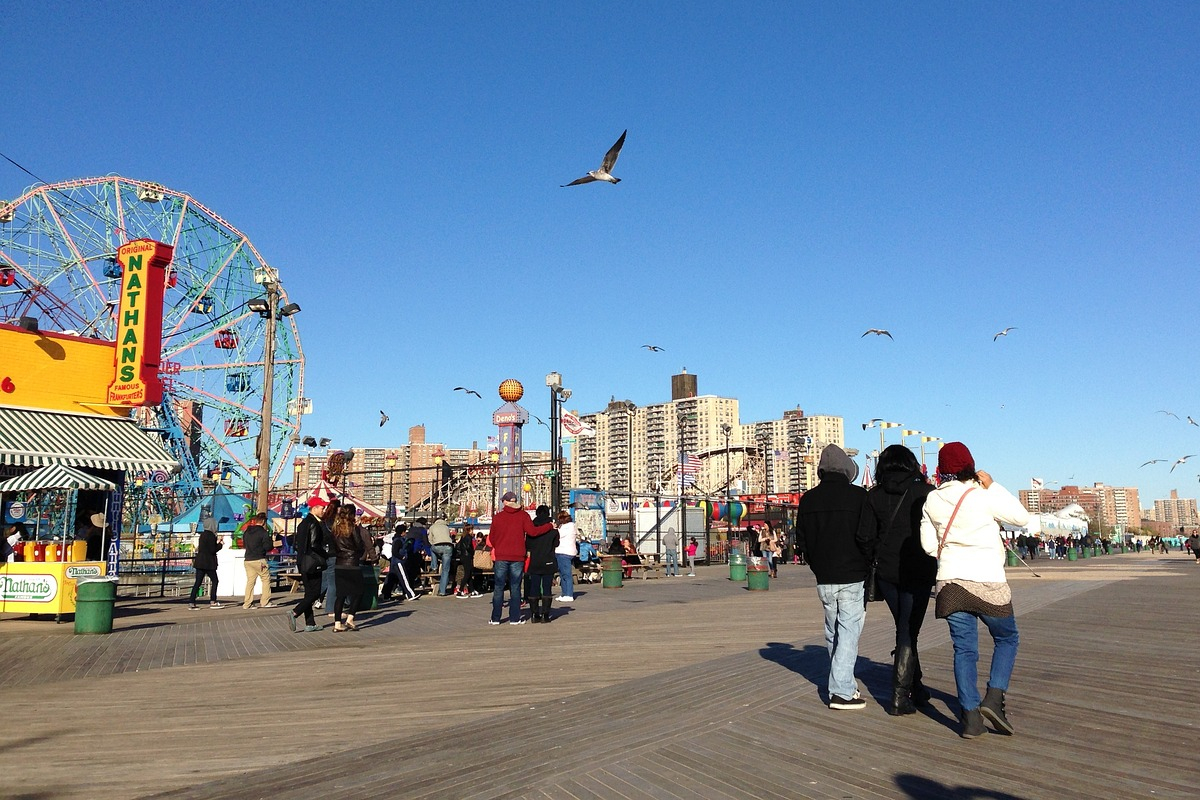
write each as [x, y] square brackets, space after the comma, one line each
[690, 469]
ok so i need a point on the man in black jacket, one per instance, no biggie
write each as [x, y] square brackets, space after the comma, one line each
[257, 542]
[826, 522]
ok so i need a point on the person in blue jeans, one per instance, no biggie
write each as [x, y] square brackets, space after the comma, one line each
[565, 554]
[826, 523]
[441, 544]
[510, 526]
[670, 543]
[959, 527]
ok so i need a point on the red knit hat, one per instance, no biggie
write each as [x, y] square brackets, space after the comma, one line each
[954, 458]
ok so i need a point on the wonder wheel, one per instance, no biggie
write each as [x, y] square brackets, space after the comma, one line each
[58, 263]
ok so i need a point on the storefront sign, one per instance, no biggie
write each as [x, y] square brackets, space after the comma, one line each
[77, 571]
[33, 588]
[139, 323]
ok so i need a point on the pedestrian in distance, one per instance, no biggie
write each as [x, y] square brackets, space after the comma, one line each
[510, 526]
[258, 544]
[670, 543]
[205, 563]
[352, 548]
[441, 544]
[464, 559]
[959, 528]
[768, 544]
[543, 563]
[313, 542]
[328, 580]
[692, 548]
[889, 534]
[827, 519]
[565, 554]
[397, 577]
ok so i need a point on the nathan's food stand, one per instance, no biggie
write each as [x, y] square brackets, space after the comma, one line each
[46, 581]
[44, 587]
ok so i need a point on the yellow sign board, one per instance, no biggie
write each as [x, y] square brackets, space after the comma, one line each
[139, 323]
[56, 372]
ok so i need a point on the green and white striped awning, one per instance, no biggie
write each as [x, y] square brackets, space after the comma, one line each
[56, 476]
[32, 438]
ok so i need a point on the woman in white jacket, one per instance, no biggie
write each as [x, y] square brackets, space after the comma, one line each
[959, 528]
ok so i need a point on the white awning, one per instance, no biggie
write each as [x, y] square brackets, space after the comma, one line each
[56, 476]
[33, 438]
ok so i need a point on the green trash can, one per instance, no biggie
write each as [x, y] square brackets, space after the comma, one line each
[758, 577]
[1095, 551]
[94, 601]
[611, 572]
[1084, 552]
[1010, 559]
[370, 596]
[737, 566]
[1071, 556]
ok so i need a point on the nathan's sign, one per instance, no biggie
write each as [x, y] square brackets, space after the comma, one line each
[33, 588]
[139, 323]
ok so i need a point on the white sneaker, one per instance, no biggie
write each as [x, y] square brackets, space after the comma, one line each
[566, 598]
[268, 605]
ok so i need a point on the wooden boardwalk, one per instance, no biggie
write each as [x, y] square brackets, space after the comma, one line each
[668, 688]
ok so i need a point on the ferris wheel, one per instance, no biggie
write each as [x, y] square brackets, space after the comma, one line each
[58, 263]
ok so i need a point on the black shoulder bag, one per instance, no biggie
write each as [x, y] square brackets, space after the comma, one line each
[871, 585]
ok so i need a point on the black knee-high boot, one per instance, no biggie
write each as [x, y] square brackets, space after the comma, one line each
[902, 678]
[546, 606]
[535, 608]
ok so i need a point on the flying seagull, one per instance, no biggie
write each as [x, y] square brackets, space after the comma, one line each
[653, 348]
[878, 332]
[1153, 461]
[1181, 460]
[1193, 422]
[1169, 414]
[1003, 332]
[468, 391]
[871, 423]
[606, 166]
[383, 418]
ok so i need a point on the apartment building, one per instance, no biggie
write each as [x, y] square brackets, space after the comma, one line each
[1107, 505]
[1175, 511]
[638, 449]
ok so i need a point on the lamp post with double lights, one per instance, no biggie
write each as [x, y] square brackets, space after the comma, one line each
[726, 430]
[269, 309]
[558, 393]
[390, 462]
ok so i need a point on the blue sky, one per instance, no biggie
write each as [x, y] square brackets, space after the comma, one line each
[794, 174]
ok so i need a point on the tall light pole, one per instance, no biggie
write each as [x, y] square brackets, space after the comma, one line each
[268, 308]
[557, 395]
[727, 429]
[390, 462]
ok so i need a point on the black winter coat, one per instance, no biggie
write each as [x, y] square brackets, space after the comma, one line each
[826, 523]
[899, 497]
[541, 552]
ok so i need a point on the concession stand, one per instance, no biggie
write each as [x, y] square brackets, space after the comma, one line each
[68, 439]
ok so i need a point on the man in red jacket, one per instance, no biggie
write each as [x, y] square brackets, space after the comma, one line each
[509, 528]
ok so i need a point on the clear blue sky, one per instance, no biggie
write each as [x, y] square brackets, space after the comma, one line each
[794, 174]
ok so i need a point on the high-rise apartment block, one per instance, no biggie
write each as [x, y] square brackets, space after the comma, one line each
[1109, 506]
[1175, 510]
[640, 449]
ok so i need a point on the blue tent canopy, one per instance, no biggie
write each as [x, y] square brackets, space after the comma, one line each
[229, 509]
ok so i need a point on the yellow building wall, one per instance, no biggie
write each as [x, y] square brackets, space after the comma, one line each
[55, 372]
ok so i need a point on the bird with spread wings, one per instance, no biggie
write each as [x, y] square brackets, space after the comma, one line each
[468, 391]
[879, 332]
[606, 166]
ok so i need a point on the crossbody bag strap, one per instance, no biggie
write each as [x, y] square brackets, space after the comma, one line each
[949, 522]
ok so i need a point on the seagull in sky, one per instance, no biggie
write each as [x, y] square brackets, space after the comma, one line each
[1153, 461]
[1181, 460]
[871, 423]
[1192, 422]
[878, 332]
[1169, 414]
[606, 166]
[468, 391]
[383, 418]
[652, 348]
[1004, 332]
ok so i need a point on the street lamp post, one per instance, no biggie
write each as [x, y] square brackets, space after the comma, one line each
[268, 308]
[390, 463]
[727, 429]
[557, 394]
[925, 440]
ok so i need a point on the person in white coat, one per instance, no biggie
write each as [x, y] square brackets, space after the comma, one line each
[959, 528]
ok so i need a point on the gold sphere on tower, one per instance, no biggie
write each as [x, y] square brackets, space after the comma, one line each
[511, 390]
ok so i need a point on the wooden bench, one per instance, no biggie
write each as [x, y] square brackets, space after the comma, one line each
[649, 570]
[295, 581]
